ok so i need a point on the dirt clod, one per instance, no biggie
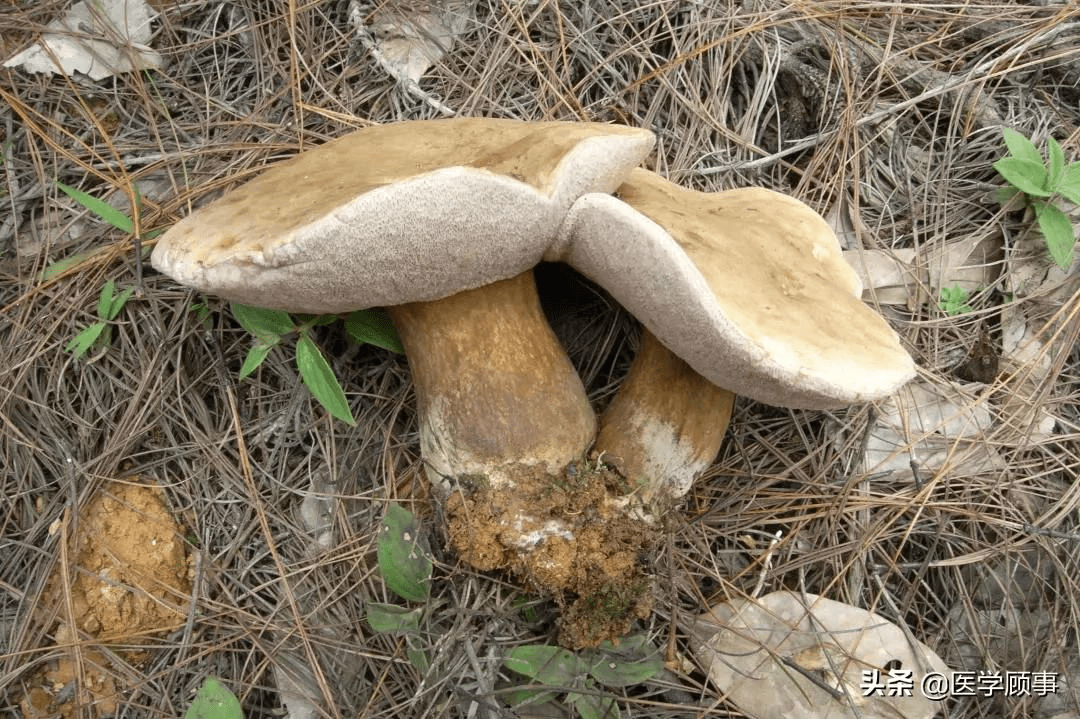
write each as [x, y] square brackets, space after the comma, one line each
[568, 538]
[128, 577]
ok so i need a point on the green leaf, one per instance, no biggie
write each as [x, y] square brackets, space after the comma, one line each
[61, 266]
[634, 661]
[322, 320]
[1057, 162]
[214, 701]
[1027, 176]
[591, 706]
[1069, 186]
[1005, 195]
[263, 323]
[404, 555]
[254, 358]
[117, 303]
[373, 327]
[1020, 147]
[954, 294]
[417, 657]
[102, 209]
[545, 664]
[81, 343]
[320, 379]
[531, 697]
[1057, 231]
[105, 299]
[392, 618]
[202, 313]
[954, 300]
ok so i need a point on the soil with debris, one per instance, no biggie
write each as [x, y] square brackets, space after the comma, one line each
[125, 576]
[592, 554]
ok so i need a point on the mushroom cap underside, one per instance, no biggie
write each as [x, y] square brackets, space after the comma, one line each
[747, 286]
[396, 213]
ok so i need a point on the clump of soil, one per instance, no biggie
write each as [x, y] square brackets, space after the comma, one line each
[128, 577]
[569, 536]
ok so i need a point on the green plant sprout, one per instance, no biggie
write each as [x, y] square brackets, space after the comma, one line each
[1041, 181]
[214, 701]
[405, 565]
[109, 303]
[954, 301]
[269, 327]
[98, 334]
[104, 211]
[633, 661]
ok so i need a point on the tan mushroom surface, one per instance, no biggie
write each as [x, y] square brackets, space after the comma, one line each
[442, 221]
[407, 212]
[750, 290]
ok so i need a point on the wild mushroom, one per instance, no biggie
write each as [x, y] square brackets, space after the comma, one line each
[745, 292]
[442, 222]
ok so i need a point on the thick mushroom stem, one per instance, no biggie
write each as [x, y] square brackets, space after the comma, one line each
[495, 390]
[665, 425]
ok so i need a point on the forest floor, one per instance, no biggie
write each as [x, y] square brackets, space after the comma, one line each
[154, 515]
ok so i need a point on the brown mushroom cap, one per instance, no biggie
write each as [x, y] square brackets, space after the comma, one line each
[398, 213]
[747, 286]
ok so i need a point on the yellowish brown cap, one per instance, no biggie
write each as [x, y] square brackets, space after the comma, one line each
[412, 211]
[748, 286]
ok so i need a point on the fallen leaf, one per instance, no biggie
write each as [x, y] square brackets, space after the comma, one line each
[84, 40]
[888, 276]
[411, 37]
[936, 425]
[803, 656]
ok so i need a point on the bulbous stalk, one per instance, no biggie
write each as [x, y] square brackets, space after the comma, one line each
[665, 425]
[501, 407]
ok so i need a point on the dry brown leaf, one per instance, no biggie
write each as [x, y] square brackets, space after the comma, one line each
[84, 41]
[413, 36]
[888, 277]
[763, 653]
[937, 426]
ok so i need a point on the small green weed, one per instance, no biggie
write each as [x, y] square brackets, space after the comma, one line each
[954, 301]
[109, 303]
[633, 661]
[1041, 181]
[269, 327]
[405, 565]
[104, 211]
[214, 701]
[98, 334]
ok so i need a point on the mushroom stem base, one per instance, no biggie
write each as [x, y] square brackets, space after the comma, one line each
[665, 425]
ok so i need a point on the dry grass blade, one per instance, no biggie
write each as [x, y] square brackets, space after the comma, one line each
[887, 110]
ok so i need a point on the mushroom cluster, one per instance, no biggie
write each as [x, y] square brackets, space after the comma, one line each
[442, 221]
